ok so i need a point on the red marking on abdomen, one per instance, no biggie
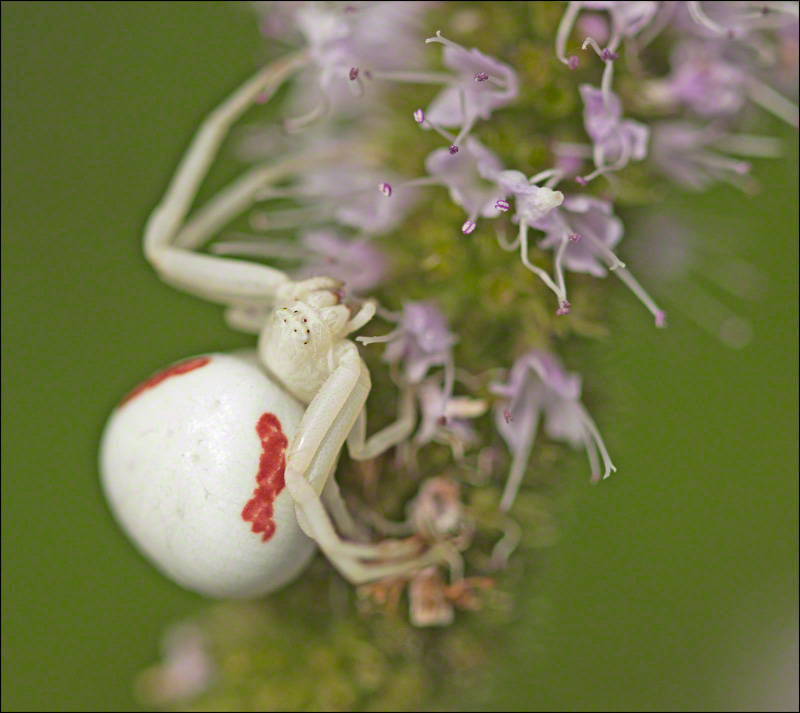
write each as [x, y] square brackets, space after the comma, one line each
[174, 370]
[271, 466]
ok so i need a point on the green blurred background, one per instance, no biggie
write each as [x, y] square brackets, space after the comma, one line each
[676, 587]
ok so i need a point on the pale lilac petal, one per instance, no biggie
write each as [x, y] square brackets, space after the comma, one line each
[586, 216]
[637, 135]
[462, 174]
[480, 98]
[357, 263]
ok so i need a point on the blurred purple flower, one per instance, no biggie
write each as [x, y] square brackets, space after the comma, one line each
[187, 668]
[615, 141]
[582, 232]
[351, 186]
[445, 420]
[340, 37]
[694, 157]
[590, 218]
[713, 79]
[629, 18]
[463, 103]
[469, 176]
[538, 385]
[421, 340]
[704, 82]
[357, 263]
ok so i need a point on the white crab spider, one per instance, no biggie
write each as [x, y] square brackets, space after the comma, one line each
[191, 460]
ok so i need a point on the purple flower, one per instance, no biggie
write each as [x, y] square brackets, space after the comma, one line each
[715, 78]
[569, 157]
[705, 82]
[351, 187]
[629, 18]
[732, 21]
[421, 340]
[344, 47]
[538, 385]
[615, 141]
[532, 202]
[600, 230]
[585, 216]
[186, 671]
[463, 103]
[593, 25]
[445, 420]
[357, 263]
[467, 176]
[692, 156]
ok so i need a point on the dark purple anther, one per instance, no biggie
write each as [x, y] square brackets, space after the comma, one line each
[573, 61]
[608, 56]
[481, 77]
[575, 237]
[453, 149]
[353, 74]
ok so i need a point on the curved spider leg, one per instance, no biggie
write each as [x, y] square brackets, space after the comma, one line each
[323, 429]
[333, 501]
[363, 448]
[218, 279]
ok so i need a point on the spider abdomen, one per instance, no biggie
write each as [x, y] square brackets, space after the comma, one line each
[192, 463]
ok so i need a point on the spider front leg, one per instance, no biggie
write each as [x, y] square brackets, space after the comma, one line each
[323, 430]
[217, 279]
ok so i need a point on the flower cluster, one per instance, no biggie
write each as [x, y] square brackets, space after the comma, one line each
[346, 193]
[409, 197]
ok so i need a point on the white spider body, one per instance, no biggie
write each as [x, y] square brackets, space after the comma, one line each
[192, 464]
[181, 459]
